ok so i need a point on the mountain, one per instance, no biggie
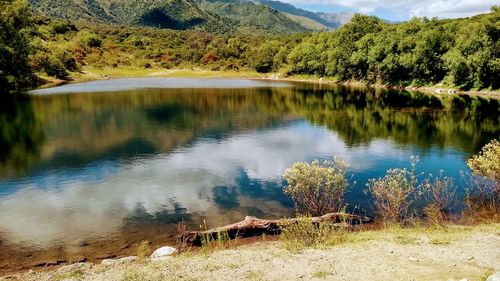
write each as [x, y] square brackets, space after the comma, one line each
[208, 15]
[250, 15]
[326, 20]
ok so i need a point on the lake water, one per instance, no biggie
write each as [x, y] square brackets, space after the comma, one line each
[90, 170]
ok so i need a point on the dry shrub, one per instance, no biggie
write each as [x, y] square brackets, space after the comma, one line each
[440, 192]
[482, 204]
[394, 194]
[482, 200]
[181, 237]
[317, 188]
[434, 215]
[144, 250]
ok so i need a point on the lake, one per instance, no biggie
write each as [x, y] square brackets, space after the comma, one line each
[89, 170]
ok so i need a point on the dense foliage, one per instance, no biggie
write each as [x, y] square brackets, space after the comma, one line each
[15, 27]
[464, 53]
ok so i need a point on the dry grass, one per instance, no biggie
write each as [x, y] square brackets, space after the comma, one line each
[92, 73]
[144, 250]
[303, 233]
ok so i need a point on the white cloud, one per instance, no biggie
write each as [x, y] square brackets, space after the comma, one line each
[409, 8]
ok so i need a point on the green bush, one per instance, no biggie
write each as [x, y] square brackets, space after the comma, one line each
[394, 194]
[317, 188]
[90, 40]
[487, 162]
[482, 200]
[62, 27]
[54, 67]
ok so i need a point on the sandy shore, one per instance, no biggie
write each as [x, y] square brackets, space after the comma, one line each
[455, 253]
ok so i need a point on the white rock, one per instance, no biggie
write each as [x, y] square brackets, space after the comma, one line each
[494, 277]
[163, 253]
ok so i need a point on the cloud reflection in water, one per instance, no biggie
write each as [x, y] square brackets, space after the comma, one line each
[50, 207]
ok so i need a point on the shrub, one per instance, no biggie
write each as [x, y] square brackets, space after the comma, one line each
[90, 40]
[434, 214]
[209, 57]
[487, 163]
[317, 188]
[181, 238]
[482, 201]
[62, 27]
[394, 194]
[54, 67]
[440, 192]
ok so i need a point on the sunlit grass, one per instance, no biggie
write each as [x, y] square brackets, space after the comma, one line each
[303, 235]
[92, 72]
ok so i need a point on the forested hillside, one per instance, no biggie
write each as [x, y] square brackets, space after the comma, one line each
[207, 15]
[460, 53]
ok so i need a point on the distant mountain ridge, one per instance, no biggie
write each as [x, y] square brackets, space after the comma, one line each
[209, 15]
[328, 20]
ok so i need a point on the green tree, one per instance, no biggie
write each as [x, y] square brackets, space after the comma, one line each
[264, 57]
[16, 27]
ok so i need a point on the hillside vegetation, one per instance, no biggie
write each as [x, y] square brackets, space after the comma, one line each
[459, 53]
[207, 15]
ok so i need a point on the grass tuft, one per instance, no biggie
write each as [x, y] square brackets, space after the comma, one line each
[303, 233]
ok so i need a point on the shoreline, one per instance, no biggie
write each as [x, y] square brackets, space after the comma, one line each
[451, 252]
[92, 74]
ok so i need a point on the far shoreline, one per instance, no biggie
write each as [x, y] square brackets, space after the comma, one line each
[93, 74]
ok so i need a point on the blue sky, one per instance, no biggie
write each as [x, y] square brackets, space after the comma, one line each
[400, 9]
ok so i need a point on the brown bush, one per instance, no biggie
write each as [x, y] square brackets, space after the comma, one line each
[440, 192]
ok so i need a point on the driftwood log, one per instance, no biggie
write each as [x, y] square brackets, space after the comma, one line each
[253, 226]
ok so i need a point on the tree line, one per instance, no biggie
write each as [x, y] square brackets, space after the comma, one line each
[461, 53]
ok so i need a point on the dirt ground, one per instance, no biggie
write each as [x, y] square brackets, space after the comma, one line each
[458, 253]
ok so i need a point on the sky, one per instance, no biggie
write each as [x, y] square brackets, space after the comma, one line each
[398, 10]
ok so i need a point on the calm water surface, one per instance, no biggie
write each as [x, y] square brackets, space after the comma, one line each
[126, 159]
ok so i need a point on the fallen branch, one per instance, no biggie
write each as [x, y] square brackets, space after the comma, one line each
[253, 226]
